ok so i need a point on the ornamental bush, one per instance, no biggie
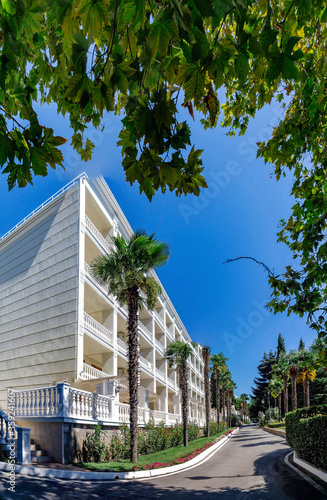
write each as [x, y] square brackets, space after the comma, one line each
[94, 449]
[312, 441]
[293, 418]
[276, 424]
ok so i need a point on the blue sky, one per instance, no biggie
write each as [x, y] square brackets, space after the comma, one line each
[221, 305]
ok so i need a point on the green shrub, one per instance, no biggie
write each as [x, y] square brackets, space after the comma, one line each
[193, 431]
[276, 424]
[261, 422]
[312, 441]
[94, 449]
[293, 418]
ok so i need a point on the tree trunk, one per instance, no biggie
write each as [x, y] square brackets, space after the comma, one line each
[279, 407]
[224, 403]
[285, 377]
[133, 367]
[294, 395]
[206, 358]
[218, 397]
[183, 381]
[306, 392]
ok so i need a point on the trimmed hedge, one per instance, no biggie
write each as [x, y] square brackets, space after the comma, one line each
[312, 440]
[293, 418]
[276, 424]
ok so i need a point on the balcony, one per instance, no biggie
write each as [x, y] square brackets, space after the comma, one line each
[122, 346]
[95, 279]
[97, 329]
[159, 319]
[89, 373]
[145, 331]
[160, 374]
[146, 364]
[97, 235]
[160, 347]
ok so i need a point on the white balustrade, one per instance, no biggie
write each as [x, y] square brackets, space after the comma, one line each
[123, 412]
[96, 327]
[36, 402]
[96, 279]
[89, 372]
[173, 418]
[103, 407]
[96, 233]
[158, 416]
[81, 404]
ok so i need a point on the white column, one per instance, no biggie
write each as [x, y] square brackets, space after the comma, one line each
[80, 303]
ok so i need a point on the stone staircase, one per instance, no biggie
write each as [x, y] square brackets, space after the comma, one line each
[38, 456]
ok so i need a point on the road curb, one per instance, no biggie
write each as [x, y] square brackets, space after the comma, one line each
[88, 476]
[303, 475]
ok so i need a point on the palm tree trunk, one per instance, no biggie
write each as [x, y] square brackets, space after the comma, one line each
[133, 367]
[306, 392]
[279, 407]
[206, 357]
[224, 402]
[285, 377]
[183, 380]
[218, 397]
[294, 394]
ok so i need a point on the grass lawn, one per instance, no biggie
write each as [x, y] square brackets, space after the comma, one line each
[163, 456]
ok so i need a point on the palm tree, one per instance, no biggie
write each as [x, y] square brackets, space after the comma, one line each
[276, 387]
[125, 271]
[224, 379]
[307, 373]
[282, 368]
[242, 402]
[229, 387]
[218, 364]
[293, 371]
[206, 359]
[177, 354]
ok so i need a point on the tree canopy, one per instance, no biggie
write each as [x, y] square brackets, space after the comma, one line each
[226, 59]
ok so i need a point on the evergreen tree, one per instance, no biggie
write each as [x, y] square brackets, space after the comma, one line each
[260, 391]
[301, 345]
[280, 345]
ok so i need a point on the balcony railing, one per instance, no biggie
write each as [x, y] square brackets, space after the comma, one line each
[146, 332]
[159, 319]
[89, 372]
[160, 374]
[96, 328]
[145, 363]
[159, 346]
[97, 235]
[96, 279]
[122, 346]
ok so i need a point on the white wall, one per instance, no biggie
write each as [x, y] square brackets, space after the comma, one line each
[38, 298]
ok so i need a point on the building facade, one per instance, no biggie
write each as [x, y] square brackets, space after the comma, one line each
[63, 336]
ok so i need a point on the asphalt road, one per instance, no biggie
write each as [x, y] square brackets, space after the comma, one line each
[249, 467]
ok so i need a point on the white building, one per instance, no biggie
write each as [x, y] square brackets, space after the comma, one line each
[58, 323]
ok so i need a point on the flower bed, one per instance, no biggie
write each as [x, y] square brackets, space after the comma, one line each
[176, 461]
